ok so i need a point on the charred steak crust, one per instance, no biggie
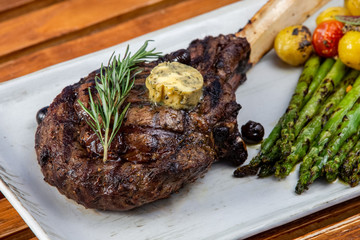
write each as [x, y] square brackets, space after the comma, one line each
[158, 149]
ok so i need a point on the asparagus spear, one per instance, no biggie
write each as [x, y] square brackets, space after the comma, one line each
[266, 170]
[315, 160]
[302, 94]
[342, 108]
[332, 166]
[349, 126]
[320, 75]
[325, 88]
[301, 91]
[312, 129]
[266, 146]
[350, 164]
[288, 133]
[355, 178]
[331, 80]
[268, 166]
[297, 101]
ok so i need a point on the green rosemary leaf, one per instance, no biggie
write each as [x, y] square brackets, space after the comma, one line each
[113, 85]
[352, 20]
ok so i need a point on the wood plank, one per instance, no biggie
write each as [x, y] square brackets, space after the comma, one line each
[25, 234]
[25, 8]
[347, 229]
[57, 20]
[10, 4]
[10, 220]
[48, 55]
[322, 219]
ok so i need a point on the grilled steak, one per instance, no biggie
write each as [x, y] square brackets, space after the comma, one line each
[158, 149]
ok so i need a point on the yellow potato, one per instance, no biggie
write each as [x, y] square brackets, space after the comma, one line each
[330, 13]
[349, 49]
[353, 6]
[293, 44]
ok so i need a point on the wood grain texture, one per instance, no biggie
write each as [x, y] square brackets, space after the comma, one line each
[11, 224]
[347, 229]
[10, 4]
[26, 8]
[41, 56]
[25, 234]
[61, 19]
[315, 223]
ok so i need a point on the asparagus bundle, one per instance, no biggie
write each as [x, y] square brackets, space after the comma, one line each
[325, 88]
[336, 131]
[349, 171]
[269, 151]
[313, 128]
[332, 166]
[288, 133]
[320, 129]
[297, 100]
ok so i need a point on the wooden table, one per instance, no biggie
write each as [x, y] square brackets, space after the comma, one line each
[35, 34]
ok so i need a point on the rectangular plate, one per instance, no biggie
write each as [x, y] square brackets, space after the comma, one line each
[217, 206]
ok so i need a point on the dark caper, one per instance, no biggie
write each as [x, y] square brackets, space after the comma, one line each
[252, 132]
[40, 115]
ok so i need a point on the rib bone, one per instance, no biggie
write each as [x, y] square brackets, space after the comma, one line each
[275, 15]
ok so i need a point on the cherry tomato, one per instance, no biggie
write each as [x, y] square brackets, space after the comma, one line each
[326, 38]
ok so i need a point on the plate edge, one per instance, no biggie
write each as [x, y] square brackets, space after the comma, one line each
[22, 211]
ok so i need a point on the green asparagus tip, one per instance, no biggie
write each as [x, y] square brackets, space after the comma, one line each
[331, 177]
[303, 182]
[331, 172]
[299, 189]
[314, 171]
[346, 170]
[282, 172]
[245, 171]
[354, 181]
[266, 170]
[345, 178]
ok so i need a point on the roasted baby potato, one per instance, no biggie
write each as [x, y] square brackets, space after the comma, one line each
[349, 49]
[353, 6]
[293, 44]
[330, 13]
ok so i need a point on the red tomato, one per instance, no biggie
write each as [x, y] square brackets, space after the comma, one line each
[326, 38]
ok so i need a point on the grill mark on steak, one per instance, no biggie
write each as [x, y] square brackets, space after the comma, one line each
[44, 156]
[158, 149]
[214, 90]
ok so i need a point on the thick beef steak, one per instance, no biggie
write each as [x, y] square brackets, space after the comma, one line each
[158, 149]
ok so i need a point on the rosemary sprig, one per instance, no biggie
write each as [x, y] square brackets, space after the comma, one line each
[113, 86]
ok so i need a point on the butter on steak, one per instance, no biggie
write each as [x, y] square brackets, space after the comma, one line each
[175, 84]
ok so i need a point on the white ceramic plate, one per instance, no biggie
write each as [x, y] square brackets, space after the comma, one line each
[217, 206]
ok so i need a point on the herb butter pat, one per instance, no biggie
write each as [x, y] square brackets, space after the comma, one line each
[175, 85]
